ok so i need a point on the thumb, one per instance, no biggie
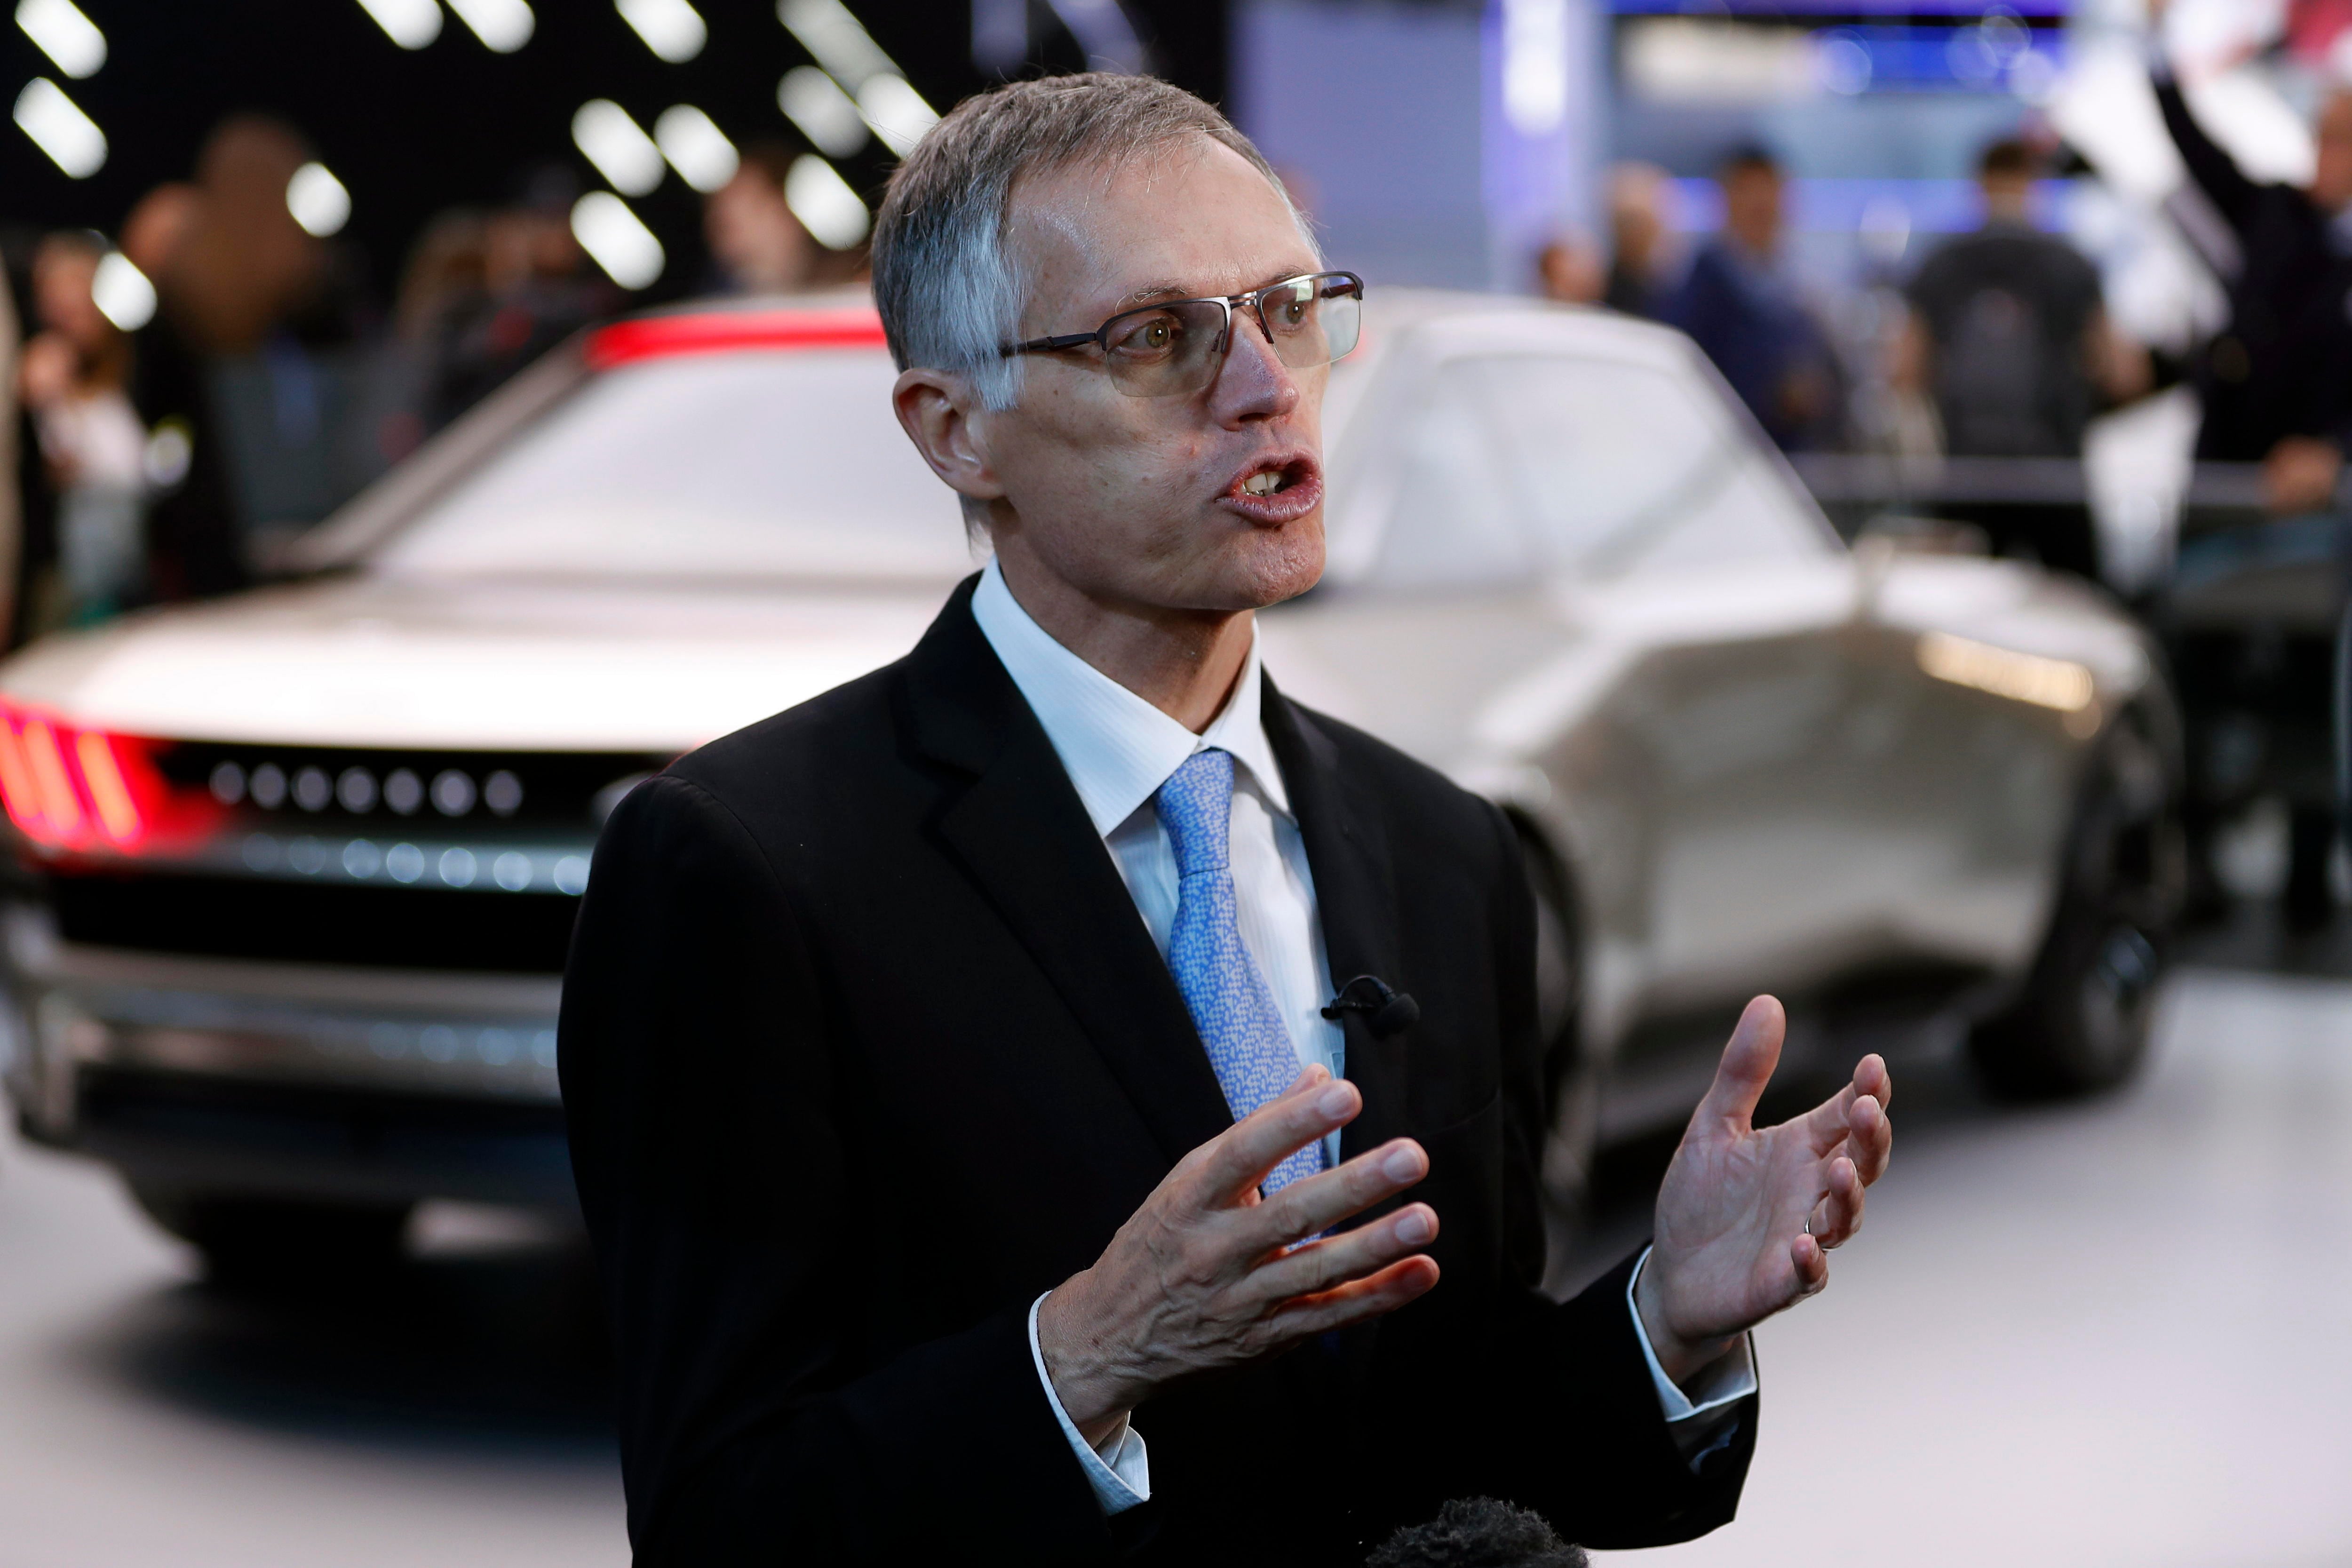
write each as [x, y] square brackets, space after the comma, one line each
[1747, 1065]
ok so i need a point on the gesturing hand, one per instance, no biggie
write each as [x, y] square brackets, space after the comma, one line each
[1205, 1273]
[1746, 1216]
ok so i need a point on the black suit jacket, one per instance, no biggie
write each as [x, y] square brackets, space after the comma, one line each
[865, 1047]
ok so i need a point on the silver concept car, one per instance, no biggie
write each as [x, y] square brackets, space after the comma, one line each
[296, 871]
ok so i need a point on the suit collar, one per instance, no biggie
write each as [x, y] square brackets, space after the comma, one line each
[1017, 825]
[1355, 891]
[1117, 747]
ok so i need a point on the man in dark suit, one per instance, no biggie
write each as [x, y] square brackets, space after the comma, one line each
[951, 1094]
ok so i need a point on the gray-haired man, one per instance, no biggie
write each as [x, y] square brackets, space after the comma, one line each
[974, 1173]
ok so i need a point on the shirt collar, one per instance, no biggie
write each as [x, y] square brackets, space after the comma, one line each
[1117, 747]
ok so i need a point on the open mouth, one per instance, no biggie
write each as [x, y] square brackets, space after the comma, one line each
[1278, 490]
[1274, 480]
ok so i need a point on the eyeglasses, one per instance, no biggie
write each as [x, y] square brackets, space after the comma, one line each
[1173, 348]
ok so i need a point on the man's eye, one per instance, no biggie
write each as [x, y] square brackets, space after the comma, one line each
[1153, 335]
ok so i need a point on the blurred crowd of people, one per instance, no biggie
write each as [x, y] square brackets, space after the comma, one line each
[179, 399]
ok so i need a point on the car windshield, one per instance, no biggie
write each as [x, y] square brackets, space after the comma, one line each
[781, 464]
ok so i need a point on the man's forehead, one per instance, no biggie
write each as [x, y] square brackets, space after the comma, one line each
[1201, 221]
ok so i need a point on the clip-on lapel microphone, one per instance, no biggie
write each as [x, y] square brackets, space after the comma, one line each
[1386, 1012]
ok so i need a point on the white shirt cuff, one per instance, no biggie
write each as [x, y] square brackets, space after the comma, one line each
[1120, 1470]
[1729, 1379]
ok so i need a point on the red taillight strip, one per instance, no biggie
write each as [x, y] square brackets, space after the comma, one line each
[661, 337]
[70, 788]
[101, 772]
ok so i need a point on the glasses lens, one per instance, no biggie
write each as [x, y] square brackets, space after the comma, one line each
[1164, 350]
[1313, 321]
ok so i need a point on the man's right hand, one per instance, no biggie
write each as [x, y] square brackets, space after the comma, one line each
[1206, 1275]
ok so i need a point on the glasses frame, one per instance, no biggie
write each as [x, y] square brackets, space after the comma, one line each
[1254, 301]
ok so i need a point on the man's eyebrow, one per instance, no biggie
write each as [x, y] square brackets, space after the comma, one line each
[1153, 291]
[1156, 291]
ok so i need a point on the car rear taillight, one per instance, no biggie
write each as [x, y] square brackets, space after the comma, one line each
[68, 787]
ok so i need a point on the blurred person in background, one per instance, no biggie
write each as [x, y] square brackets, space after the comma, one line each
[1742, 306]
[1572, 272]
[447, 274]
[1638, 238]
[757, 246]
[537, 290]
[237, 374]
[1478, 1533]
[72, 377]
[2009, 338]
[2276, 385]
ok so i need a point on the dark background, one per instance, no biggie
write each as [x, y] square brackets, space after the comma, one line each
[411, 132]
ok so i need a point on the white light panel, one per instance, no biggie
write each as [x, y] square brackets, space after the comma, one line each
[696, 147]
[411, 24]
[318, 200]
[823, 200]
[673, 29]
[503, 25]
[827, 116]
[895, 111]
[835, 39]
[121, 293]
[64, 33]
[618, 146]
[60, 128]
[617, 239]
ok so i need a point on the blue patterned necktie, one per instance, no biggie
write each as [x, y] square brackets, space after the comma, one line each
[1231, 1004]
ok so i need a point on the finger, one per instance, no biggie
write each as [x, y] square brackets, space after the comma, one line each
[1870, 1137]
[1838, 1214]
[1236, 1160]
[1320, 1202]
[1353, 1302]
[1872, 1077]
[1321, 1266]
[1747, 1067]
[1811, 1266]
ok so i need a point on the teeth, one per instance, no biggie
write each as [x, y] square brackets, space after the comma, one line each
[1263, 484]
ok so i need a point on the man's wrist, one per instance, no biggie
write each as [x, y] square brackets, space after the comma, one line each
[1680, 1358]
[1088, 1396]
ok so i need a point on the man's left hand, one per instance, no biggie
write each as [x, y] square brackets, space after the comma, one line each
[1746, 1216]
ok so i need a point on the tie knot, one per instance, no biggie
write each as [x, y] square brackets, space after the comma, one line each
[1196, 806]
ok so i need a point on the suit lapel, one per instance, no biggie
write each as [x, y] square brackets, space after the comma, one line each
[1021, 832]
[1355, 893]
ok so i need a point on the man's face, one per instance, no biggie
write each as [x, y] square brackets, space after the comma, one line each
[1751, 206]
[1155, 503]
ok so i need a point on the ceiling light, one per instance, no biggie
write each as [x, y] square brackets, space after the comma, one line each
[827, 116]
[318, 200]
[411, 24]
[618, 146]
[123, 296]
[834, 39]
[696, 147]
[895, 111]
[71, 138]
[503, 25]
[671, 29]
[621, 243]
[824, 204]
[64, 33]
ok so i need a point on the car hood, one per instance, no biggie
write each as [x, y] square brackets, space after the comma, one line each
[501, 665]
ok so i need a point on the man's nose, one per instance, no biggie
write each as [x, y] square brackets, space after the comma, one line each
[1252, 382]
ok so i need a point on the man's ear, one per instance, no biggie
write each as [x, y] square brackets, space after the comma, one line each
[938, 412]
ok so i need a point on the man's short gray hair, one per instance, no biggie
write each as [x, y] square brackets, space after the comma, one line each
[950, 298]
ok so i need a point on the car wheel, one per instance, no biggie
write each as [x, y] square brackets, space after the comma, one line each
[2080, 1023]
[280, 1243]
[1571, 1079]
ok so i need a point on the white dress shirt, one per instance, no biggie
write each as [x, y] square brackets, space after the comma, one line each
[1119, 750]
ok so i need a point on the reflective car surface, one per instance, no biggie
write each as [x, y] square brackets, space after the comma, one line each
[299, 867]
